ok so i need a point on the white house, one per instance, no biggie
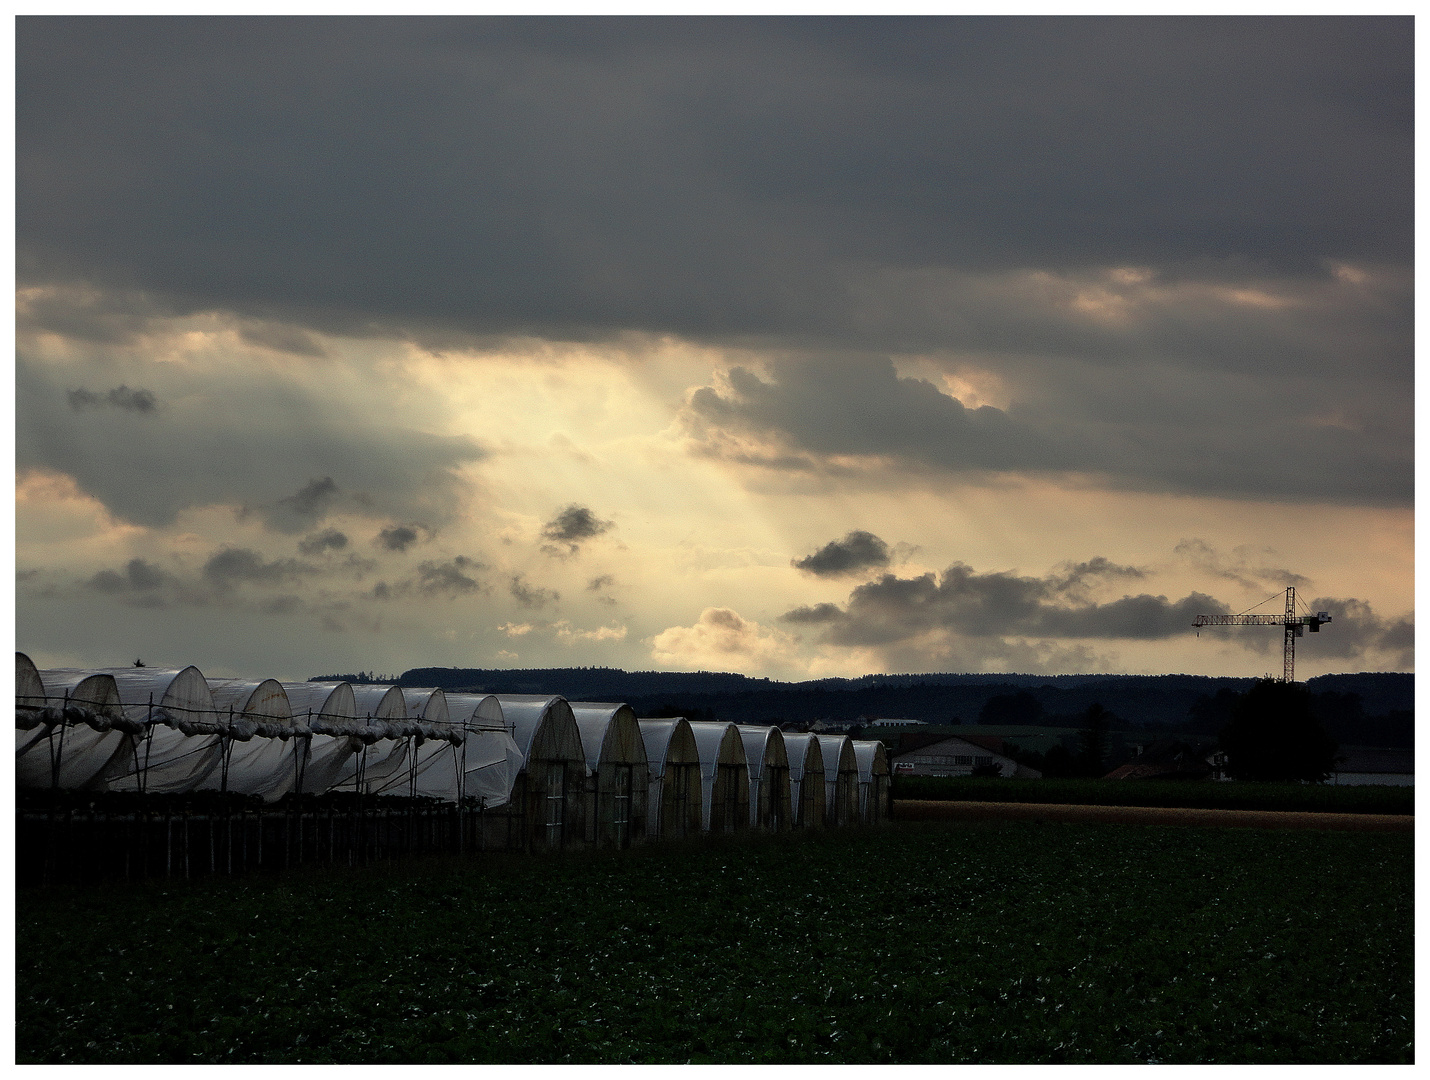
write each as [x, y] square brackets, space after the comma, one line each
[1374, 765]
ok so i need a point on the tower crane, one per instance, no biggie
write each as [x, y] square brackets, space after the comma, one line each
[1295, 626]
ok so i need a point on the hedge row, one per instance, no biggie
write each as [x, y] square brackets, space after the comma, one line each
[1238, 795]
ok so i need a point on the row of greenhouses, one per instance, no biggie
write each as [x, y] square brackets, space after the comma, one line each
[551, 772]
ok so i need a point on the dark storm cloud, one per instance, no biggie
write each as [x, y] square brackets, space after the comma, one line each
[1072, 577]
[139, 583]
[892, 609]
[327, 540]
[858, 551]
[1186, 242]
[708, 177]
[451, 578]
[814, 413]
[289, 454]
[397, 538]
[1356, 630]
[819, 613]
[532, 596]
[306, 506]
[236, 566]
[568, 530]
[121, 397]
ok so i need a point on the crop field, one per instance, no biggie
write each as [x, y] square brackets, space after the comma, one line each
[1242, 795]
[918, 942]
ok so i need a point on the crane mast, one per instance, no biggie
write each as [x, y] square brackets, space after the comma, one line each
[1295, 625]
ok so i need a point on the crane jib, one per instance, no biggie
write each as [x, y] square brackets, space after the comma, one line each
[1295, 625]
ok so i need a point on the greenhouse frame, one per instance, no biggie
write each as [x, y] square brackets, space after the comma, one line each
[491, 761]
[617, 774]
[136, 771]
[674, 801]
[265, 750]
[874, 789]
[184, 738]
[841, 780]
[336, 732]
[806, 779]
[546, 808]
[724, 776]
[78, 737]
[768, 763]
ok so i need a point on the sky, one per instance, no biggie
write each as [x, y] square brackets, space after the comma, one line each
[795, 347]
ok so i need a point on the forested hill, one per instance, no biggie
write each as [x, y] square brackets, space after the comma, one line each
[938, 698]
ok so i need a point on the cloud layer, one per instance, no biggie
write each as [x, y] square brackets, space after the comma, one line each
[727, 176]
[377, 327]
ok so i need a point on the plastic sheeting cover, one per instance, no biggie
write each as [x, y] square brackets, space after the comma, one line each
[529, 713]
[600, 724]
[29, 693]
[83, 737]
[492, 758]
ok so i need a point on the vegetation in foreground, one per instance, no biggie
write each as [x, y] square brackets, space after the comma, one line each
[912, 943]
[1199, 794]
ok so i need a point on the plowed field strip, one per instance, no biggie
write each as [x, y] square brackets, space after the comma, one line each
[934, 810]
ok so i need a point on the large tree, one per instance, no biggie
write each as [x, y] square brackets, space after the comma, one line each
[1274, 735]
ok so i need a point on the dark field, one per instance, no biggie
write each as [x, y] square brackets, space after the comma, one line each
[1210, 795]
[911, 943]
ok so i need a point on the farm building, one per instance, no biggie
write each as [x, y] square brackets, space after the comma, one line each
[769, 777]
[329, 711]
[77, 737]
[490, 758]
[873, 763]
[724, 777]
[841, 780]
[673, 807]
[546, 806]
[267, 762]
[954, 756]
[806, 779]
[617, 777]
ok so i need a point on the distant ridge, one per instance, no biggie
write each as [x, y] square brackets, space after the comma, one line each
[1384, 715]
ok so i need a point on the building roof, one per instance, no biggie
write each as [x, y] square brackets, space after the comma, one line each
[948, 744]
[1164, 759]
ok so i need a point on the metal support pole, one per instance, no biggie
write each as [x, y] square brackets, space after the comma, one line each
[1288, 660]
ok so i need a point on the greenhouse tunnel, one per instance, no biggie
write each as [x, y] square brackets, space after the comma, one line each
[546, 807]
[384, 763]
[617, 774]
[674, 799]
[841, 779]
[80, 736]
[184, 737]
[724, 776]
[329, 711]
[873, 761]
[266, 763]
[806, 779]
[769, 777]
[490, 760]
